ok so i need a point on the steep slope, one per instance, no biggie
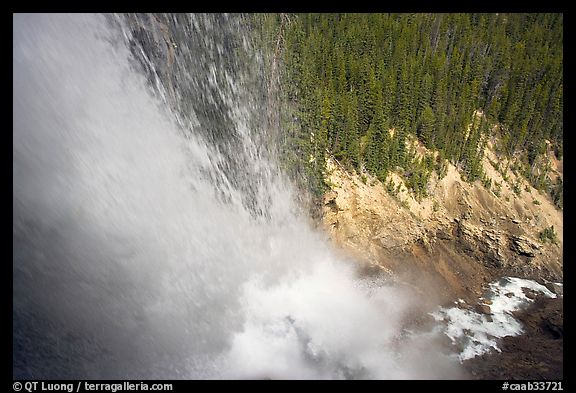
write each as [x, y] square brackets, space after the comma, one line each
[460, 237]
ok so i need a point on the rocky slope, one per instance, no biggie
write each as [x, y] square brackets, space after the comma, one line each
[451, 244]
[460, 237]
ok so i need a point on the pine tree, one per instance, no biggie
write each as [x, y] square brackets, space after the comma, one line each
[426, 126]
[350, 77]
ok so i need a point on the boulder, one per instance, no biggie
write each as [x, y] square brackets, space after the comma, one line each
[523, 246]
[529, 293]
[483, 309]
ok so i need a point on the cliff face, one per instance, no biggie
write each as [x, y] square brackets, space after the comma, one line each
[460, 237]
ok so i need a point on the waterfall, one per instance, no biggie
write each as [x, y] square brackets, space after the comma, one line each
[154, 235]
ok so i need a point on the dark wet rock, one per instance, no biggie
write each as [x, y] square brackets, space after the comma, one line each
[529, 293]
[555, 288]
[537, 354]
[483, 309]
[554, 330]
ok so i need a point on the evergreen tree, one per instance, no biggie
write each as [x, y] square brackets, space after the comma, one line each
[351, 77]
[426, 126]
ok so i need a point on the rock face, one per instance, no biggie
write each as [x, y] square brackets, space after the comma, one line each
[483, 244]
[361, 219]
[460, 236]
[491, 245]
[524, 246]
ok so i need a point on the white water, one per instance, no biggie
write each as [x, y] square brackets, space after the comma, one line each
[132, 261]
[473, 333]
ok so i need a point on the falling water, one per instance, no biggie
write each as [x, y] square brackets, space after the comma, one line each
[153, 234]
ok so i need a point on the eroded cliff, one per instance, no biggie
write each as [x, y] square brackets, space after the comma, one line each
[460, 237]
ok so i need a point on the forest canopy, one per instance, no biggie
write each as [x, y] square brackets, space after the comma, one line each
[359, 85]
